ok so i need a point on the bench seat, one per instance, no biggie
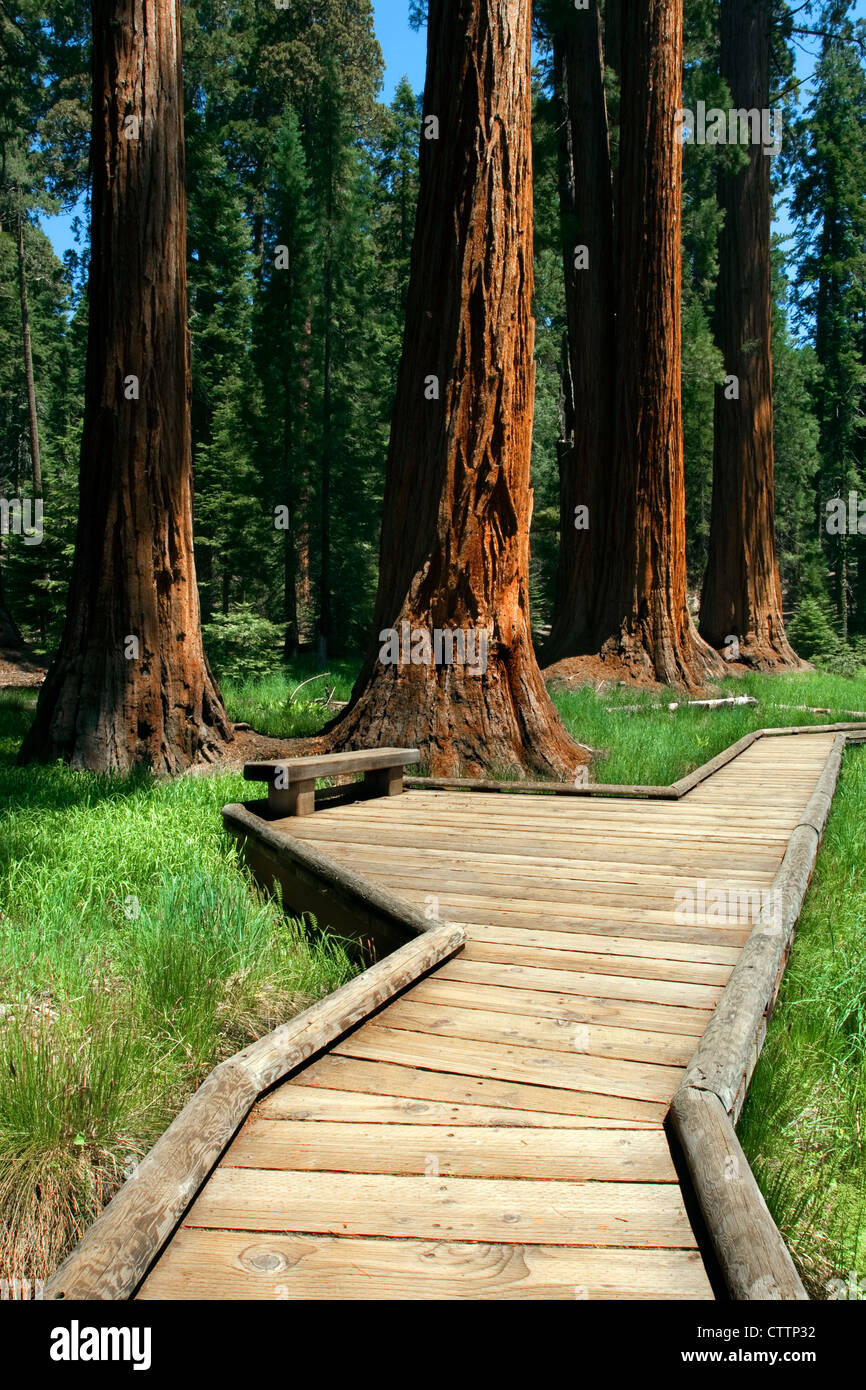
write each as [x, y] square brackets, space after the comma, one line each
[292, 781]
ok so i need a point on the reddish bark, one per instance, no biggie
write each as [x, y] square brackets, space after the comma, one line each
[742, 595]
[455, 534]
[643, 619]
[133, 574]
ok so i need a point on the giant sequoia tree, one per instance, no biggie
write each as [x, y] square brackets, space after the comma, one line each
[130, 684]
[586, 203]
[643, 619]
[455, 535]
[742, 595]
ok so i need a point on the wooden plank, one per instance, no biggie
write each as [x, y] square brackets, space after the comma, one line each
[687, 830]
[458, 1151]
[558, 893]
[689, 973]
[583, 983]
[547, 812]
[441, 1208]
[487, 878]
[557, 898]
[586, 918]
[562, 819]
[558, 1034]
[211, 1264]
[331, 764]
[313, 1104]
[580, 941]
[479, 992]
[542, 868]
[607, 1076]
[692, 853]
[337, 1072]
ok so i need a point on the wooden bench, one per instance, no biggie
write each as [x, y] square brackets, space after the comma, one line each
[292, 781]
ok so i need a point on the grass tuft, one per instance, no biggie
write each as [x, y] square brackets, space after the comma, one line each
[135, 954]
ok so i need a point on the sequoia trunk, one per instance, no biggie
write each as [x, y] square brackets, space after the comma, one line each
[643, 618]
[741, 605]
[455, 533]
[586, 205]
[131, 684]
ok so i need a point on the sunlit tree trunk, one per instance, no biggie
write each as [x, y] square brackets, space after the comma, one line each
[130, 685]
[643, 618]
[741, 605]
[455, 534]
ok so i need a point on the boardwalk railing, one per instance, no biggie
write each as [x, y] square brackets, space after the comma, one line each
[116, 1251]
[749, 1246]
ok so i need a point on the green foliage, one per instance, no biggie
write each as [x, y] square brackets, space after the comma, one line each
[813, 636]
[293, 701]
[828, 204]
[129, 967]
[241, 644]
[811, 631]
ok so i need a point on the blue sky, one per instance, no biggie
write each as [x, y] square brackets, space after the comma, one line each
[404, 51]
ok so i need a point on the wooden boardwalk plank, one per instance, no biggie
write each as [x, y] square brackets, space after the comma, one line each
[559, 1034]
[441, 1208]
[583, 983]
[577, 1155]
[609, 1076]
[292, 1101]
[340, 1072]
[483, 993]
[217, 1264]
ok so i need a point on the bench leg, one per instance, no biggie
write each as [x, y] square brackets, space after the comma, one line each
[384, 781]
[298, 799]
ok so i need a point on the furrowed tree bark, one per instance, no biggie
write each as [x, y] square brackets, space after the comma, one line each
[130, 685]
[741, 595]
[586, 207]
[455, 532]
[643, 617]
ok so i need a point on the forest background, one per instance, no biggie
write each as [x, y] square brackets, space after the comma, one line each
[302, 184]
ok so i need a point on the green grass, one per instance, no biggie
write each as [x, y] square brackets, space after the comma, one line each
[134, 955]
[655, 747]
[804, 1123]
[288, 703]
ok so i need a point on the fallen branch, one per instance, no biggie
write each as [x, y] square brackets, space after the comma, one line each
[689, 704]
[317, 677]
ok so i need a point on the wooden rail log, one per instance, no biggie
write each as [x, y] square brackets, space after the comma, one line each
[753, 1257]
[751, 1251]
[311, 882]
[725, 1057]
[115, 1252]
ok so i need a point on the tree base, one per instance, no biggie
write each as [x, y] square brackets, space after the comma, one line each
[188, 724]
[500, 724]
[683, 661]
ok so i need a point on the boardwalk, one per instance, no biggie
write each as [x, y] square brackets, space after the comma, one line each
[497, 1130]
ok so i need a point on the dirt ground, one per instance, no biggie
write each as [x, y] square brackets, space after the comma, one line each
[19, 672]
[575, 671]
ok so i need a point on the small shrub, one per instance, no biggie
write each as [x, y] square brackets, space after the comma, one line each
[242, 645]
